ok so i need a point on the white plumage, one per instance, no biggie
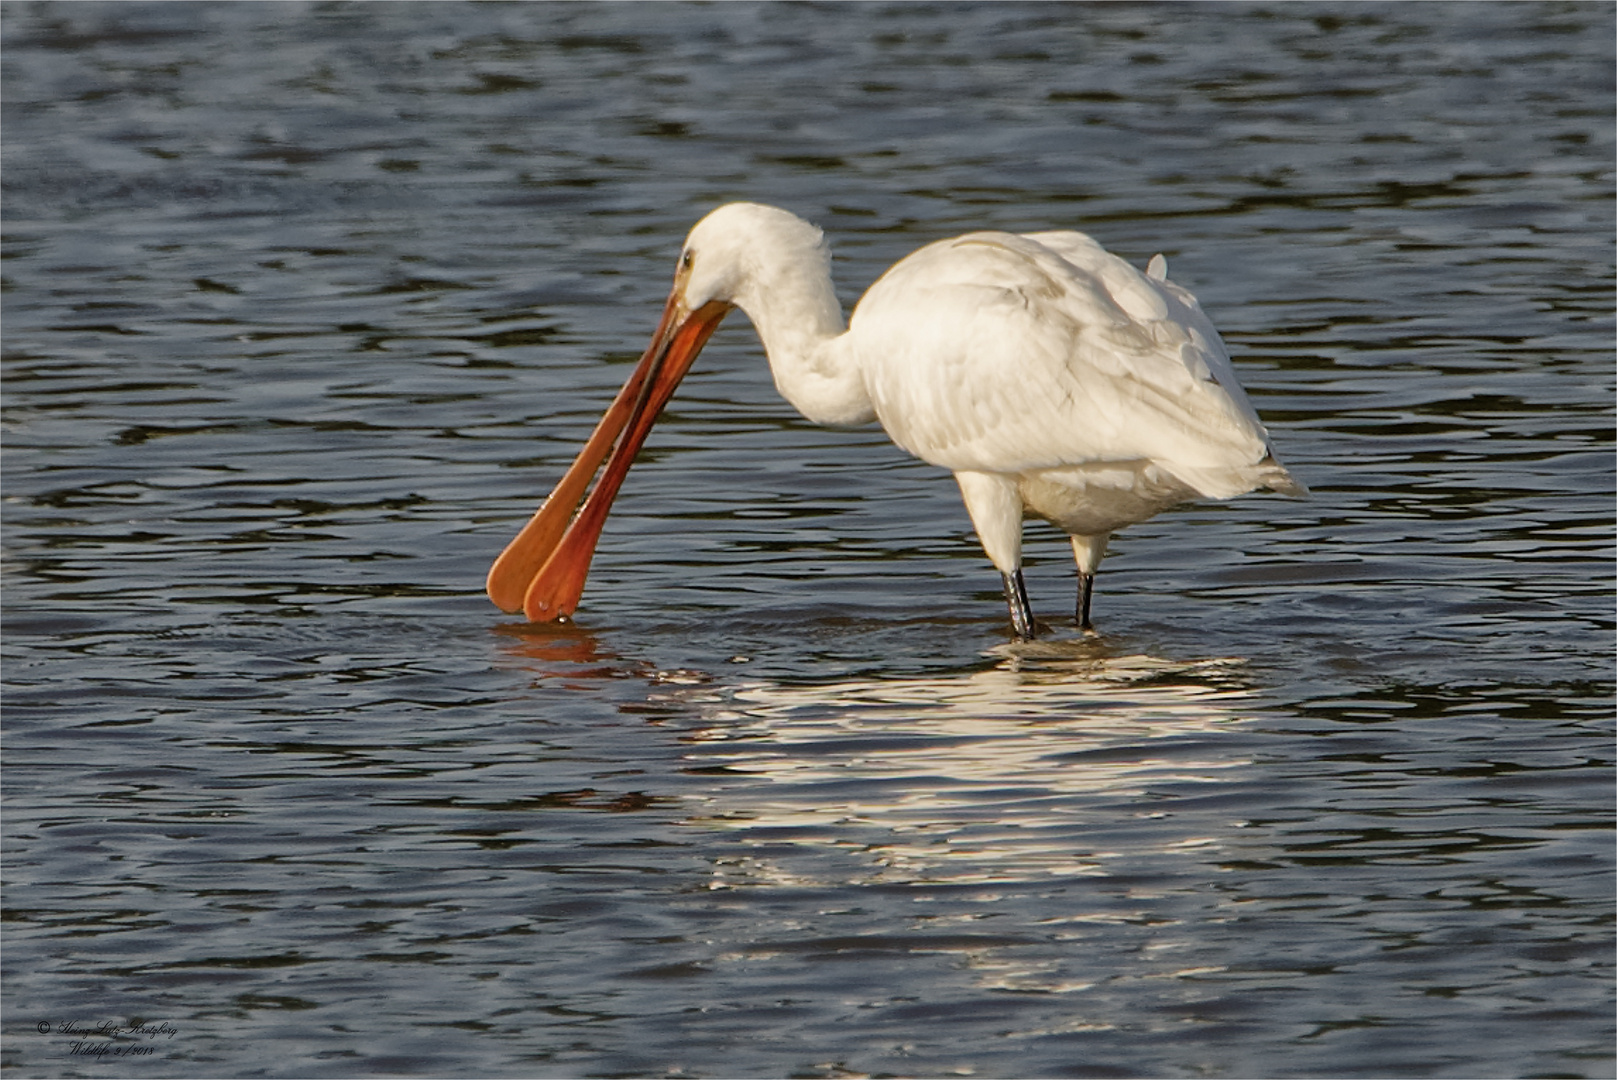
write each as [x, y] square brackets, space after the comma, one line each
[1050, 376]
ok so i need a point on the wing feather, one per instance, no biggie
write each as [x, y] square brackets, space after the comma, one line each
[1004, 353]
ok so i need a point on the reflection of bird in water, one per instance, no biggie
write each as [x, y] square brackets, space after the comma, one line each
[1029, 771]
[1050, 377]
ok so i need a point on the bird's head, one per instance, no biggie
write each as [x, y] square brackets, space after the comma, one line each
[731, 258]
[737, 255]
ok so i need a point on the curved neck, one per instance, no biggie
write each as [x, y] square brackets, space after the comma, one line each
[799, 320]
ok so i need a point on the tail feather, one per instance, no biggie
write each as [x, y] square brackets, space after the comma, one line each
[1273, 475]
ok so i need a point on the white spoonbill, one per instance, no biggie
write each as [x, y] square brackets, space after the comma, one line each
[1051, 377]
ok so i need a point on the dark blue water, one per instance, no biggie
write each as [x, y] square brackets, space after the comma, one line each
[306, 306]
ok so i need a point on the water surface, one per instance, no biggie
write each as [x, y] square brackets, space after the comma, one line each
[306, 306]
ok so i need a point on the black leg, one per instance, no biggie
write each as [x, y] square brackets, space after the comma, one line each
[1086, 589]
[1016, 600]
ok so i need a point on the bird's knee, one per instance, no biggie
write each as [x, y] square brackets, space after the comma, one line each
[1089, 550]
[996, 513]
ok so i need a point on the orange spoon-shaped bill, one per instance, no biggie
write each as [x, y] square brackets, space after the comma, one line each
[542, 571]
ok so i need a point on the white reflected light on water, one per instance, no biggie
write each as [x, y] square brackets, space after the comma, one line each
[976, 778]
[1058, 766]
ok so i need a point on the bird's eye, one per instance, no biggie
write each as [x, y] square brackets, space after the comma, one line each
[685, 260]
